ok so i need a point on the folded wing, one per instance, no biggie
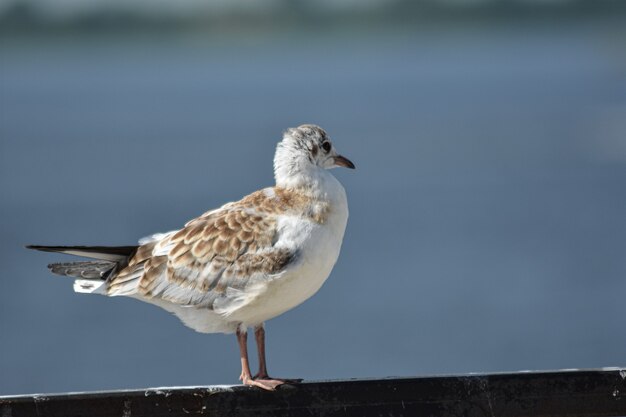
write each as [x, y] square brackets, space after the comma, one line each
[217, 261]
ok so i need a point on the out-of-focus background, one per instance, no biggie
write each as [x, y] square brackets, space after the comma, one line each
[488, 208]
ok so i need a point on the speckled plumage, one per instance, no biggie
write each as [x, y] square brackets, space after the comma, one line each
[222, 249]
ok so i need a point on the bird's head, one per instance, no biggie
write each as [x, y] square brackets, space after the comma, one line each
[305, 150]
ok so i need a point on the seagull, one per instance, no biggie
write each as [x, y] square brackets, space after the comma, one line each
[237, 266]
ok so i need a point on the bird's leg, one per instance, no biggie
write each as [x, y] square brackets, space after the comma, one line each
[259, 335]
[242, 339]
[246, 376]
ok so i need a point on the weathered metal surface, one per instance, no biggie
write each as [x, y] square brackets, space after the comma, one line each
[561, 393]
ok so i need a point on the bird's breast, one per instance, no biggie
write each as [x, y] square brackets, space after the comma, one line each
[317, 246]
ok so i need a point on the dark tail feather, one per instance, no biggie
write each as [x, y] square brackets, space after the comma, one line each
[85, 270]
[106, 253]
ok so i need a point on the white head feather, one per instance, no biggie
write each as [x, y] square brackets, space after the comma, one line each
[303, 156]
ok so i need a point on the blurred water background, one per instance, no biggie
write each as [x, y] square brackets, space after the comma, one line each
[487, 229]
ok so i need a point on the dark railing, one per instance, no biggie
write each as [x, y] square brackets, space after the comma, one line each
[585, 393]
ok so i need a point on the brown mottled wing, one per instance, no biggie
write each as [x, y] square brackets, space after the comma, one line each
[214, 257]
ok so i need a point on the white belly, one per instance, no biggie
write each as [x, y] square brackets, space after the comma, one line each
[318, 249]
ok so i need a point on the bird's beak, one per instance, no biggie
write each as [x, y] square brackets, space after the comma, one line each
[342, 161]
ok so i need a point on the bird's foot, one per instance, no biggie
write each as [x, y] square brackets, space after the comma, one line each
[263, 383]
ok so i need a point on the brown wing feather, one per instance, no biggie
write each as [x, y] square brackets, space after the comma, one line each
[219, 250]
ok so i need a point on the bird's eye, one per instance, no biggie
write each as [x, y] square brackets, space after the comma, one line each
[326, 146]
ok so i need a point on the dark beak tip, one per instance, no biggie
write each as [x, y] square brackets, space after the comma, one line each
[342, 161]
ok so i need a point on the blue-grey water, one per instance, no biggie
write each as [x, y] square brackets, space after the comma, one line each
[487, 225]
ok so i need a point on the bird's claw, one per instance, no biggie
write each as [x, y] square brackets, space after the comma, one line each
[263, 383]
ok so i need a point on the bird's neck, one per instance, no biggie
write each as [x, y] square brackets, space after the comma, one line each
[307, 179]
[295, 171]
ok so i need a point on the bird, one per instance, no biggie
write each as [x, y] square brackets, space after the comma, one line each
[239, 265]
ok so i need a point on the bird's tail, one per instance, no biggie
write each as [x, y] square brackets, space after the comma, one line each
[91, 275]
[104, 253]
